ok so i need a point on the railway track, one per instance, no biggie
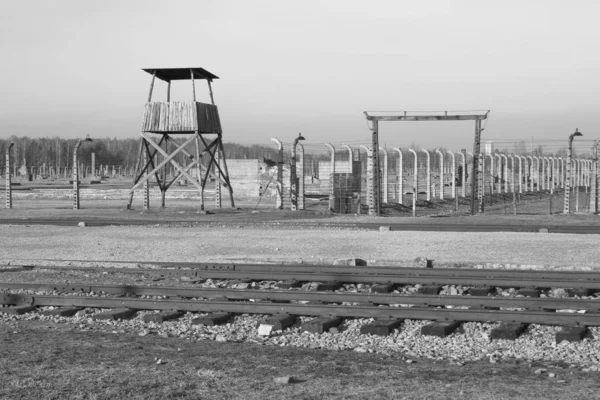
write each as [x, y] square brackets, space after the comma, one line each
[585, 281]
[435, 227]
[448, 311]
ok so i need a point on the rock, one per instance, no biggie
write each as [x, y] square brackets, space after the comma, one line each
[265, 330]
[539, 371]
[360, 350]
[424, 262]
[159, 361]
[283, 380]
[409, 361]
[384, 229]
[221, 338]
[351, 262]
[82, 224]
[551, 375]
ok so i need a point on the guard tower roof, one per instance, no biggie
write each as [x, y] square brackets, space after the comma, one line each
[175, 74]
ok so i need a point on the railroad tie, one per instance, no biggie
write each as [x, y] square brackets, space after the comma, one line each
[212, 319]
[527, 292]
[280, 322]
[62, 311]
[581, 292]
[328, 286]
[321, 324]
[439, 328]
[384, 288]
[430, 289]
[289, 284]
[17, 310]
[381, 327]
[162, 316]
[571, 334]
[481, 291]
[113, 315]
[508, 331]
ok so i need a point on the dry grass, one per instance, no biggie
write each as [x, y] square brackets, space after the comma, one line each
[44, 361]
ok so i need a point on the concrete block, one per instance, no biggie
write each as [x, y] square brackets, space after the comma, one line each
[527, 292]
[162, 316]
[113, 315]
[289, 284]
[508, 331]
[439, 329]
[381, 327]
[328, 286]
[62, 311]
[386, 288]
[351, 262]
[283, 380]
[17, 310]
[571, 334]
[321, 324]
[480, 291]
[280, 322]
[430, 289]
[212, 319]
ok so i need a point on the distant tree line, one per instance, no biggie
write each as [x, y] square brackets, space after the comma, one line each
[58, 152]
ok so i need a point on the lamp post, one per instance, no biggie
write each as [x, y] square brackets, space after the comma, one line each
[293, 178]
[76, 172]
[567, 208]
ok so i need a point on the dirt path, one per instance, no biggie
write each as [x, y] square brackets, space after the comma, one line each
[284, 244]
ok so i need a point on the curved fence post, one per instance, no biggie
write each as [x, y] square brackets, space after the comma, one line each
[331, 176]
[428, 175]
[385, 175]
[400, 177]
[415, 183]
[441, 173]
[279, 181]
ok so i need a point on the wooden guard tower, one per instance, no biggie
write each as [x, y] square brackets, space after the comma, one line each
[199, 124]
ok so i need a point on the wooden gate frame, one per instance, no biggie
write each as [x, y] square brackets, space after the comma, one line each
[373, 179]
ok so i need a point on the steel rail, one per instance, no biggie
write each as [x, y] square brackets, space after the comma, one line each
[545, 318]
[312, 296]
[316, 268]
[96, 222]
[323, 275]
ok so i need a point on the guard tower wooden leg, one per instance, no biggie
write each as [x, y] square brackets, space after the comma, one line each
[217, 181]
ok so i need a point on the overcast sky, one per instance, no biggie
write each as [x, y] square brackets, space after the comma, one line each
[70, 68]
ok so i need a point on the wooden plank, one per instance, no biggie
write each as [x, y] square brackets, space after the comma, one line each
[426, 117]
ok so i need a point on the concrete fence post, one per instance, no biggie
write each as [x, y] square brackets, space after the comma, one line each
[428, 176]
[453, 174]
[415, 183]
[279, 177]
[400, 177]
[331, 176]
[385, 175]
[8, 177]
